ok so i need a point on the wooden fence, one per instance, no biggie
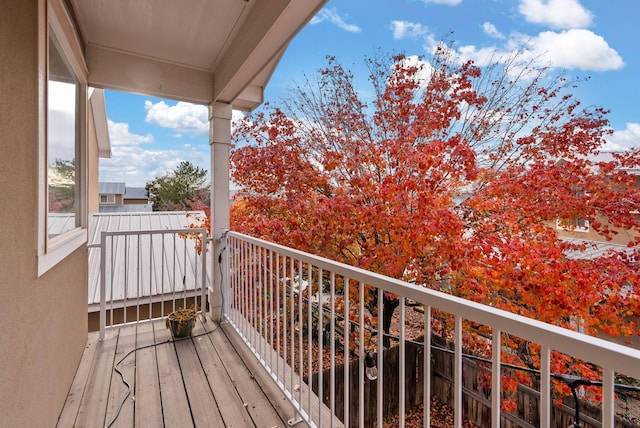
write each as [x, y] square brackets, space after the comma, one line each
[476, 392]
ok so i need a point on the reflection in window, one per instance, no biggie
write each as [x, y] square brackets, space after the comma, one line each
[62, 144]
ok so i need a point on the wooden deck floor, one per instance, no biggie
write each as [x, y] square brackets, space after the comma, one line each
[201, 381]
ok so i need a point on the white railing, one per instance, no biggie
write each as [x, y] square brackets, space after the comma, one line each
[146, 274]
[270, 298]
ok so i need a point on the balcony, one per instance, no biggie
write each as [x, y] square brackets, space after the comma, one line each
[284, 317]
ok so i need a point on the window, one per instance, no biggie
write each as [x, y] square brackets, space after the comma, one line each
[573, 225]
[63, 144]
[107, 199]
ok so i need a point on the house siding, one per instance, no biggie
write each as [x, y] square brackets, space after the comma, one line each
[45, 322]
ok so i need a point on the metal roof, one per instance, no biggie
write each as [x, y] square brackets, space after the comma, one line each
[128, 208]
[143, 267]
[110, 188]
[135, 193]
[595, 249]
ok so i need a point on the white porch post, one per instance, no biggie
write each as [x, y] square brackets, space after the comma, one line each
[219, 138]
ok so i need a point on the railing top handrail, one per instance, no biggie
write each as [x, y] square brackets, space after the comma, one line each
[154, 231]
[607, 354]
[146, 232]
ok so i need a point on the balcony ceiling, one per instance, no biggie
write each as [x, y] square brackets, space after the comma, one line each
[200, 51]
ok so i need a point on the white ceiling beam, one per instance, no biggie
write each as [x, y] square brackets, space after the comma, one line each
[96, 98]
[250, 98]
[262, 38]
[121, 71]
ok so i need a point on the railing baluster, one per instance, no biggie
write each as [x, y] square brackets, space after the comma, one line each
[252, 296]
[203, 277]
[277, 315]
[496, 347]
[292, 322]
[184, 275]
[426, 416]
[380, 362]
[403, 361]
[361, 355]
[285, 336]
[103, 281]
[138, 280]
[457, 388]
[152, 268]
[545, 387]
[300, 331]
[173, 275]
[347, 350]
[320, 343]
[309, 335]
[126, 281]
[608, 398]
[263, 306]
[332, 335]
[270, 302]
[113, 264]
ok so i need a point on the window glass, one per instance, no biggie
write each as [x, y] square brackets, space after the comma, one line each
[63, 145]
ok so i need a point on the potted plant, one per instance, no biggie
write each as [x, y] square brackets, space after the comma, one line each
[181, 321]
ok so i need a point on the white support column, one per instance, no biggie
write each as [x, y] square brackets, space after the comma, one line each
[220, 139]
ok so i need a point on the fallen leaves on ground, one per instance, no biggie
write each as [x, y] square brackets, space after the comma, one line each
[441, 417]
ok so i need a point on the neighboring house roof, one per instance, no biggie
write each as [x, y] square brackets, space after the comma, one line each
[136, 193]
[110, 188]
[165, 265]
[595, 249]
[608, 156]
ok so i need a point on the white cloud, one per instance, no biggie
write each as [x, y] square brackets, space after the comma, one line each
[624, 139]
[576, 48]
[183, 117]
[570, 49]
[423, 76]
[557, 14]
[405, 29]
[136, 161]
[491, 31]
[334, 17]
[120, 135]
[444, 2]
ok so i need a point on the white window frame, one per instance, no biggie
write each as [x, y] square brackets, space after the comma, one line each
[53, 251]
[109, 199]
[580, 229]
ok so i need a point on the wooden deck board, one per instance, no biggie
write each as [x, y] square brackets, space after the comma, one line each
[93, 410]
[77, 391]
[147, 388]
[204, 408]
[120, 406]
[175, 404]
[261, 411]
[231, 406]
[201, 381]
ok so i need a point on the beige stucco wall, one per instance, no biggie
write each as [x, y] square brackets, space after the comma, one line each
[622, 237]
[44, 327]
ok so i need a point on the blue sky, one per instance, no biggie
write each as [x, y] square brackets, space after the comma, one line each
[594, 38]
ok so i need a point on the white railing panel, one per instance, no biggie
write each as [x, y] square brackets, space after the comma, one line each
[297, 307]
[146, 274]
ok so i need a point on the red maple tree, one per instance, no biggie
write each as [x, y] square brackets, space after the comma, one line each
[451, 176]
